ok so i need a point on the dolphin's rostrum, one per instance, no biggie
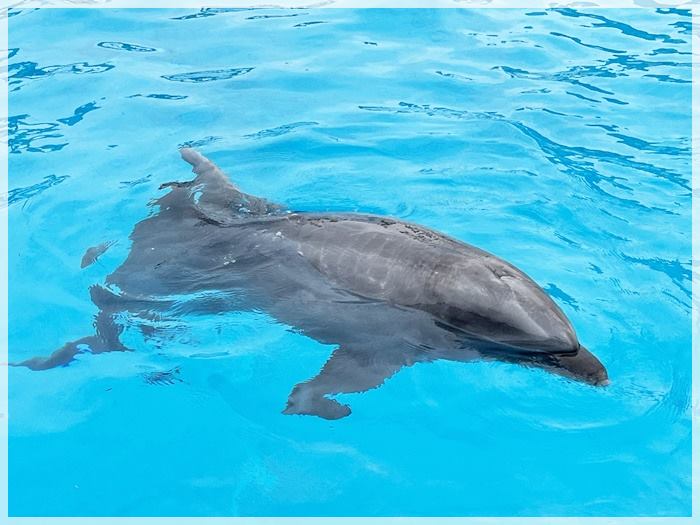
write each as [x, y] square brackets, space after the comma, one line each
[387, 293]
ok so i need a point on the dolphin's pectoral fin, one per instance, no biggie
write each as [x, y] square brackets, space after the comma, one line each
[348, 370]
[306, 399]
[106, 339]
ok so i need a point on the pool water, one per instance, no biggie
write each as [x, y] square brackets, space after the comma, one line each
[558, 140]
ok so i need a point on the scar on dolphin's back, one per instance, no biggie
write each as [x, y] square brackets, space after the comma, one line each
[94, 252]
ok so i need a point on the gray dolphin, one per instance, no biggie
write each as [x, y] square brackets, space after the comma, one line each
[387, 293]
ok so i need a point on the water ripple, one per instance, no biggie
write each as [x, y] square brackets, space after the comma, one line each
[683, 27]
[161, 96]
[547, 110]
[581, 43]
[453, 75]
[679, 272]
[25, 193]
[570, 76]
[668, 78]
[123, 46]
[262, 17]
[610, 68]
[20, 71]
[556, 292]
[211, 11]
[408, 107]
[209, 76]
[23, 135]
[305, 24]
[577, 161]
[198, 143]
[641, 144]
[582, 97]
[163, 377]
[668, 51]
[621, 26]
[280, 130]
[634, 63]
[79, 113]
[15, 12]
[674, 11]
[135, 182]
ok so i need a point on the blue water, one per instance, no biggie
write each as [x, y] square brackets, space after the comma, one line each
[558, 140]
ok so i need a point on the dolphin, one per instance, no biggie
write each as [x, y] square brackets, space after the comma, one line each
[386, 293]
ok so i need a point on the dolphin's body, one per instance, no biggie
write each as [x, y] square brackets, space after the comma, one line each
[388, 293]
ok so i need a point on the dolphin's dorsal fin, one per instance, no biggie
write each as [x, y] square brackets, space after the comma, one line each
[207, 172]
[217, 197]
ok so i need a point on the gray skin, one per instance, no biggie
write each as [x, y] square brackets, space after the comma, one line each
[387, 293]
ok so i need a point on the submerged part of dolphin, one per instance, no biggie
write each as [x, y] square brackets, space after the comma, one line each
[387, 293]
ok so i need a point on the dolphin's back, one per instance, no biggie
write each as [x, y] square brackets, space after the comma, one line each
[410, 265]
[377, 257]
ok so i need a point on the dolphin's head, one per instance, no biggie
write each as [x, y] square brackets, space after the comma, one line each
[494, 301]
[513, 319]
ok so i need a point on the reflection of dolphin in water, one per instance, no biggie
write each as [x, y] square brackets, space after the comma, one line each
[388, 293]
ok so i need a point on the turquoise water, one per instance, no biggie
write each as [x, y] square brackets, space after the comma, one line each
[558, 140]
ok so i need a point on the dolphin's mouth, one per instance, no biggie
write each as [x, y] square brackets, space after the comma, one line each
[577, 363]
[582, 366]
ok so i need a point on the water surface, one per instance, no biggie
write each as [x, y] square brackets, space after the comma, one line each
[558, 140]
